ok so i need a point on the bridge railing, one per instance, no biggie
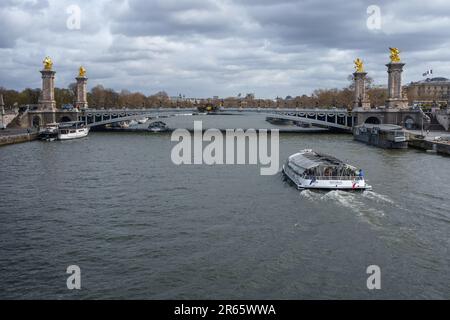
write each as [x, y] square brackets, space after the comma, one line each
[338, 178]
[338, 118]
[221, 109]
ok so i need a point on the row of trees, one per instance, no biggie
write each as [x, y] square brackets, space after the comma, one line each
[14, 98]
[100, 97]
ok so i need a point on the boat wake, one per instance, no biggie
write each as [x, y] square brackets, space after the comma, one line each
[380, 198]
[367, 204]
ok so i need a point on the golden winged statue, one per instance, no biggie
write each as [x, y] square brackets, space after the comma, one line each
[82, 72]
[395, 55]
[48, 63]
[359, 65]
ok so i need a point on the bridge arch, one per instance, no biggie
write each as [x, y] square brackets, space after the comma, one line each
[373, 120]
[65, 119]
[409, 122]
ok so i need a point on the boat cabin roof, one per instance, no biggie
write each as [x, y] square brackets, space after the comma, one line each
[308, 160]
[71, 124]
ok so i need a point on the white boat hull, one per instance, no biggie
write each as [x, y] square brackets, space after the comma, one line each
[332, 184]
[73, 134]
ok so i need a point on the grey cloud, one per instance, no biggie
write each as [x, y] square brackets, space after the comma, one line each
[171, 18]
[219, 47]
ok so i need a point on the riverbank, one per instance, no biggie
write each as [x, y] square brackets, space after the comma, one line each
[435, 141]
[12, 136]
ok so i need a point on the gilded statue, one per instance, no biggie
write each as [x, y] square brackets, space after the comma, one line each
[48, 63]
[395, 55]
[82, 72]
[359, 66]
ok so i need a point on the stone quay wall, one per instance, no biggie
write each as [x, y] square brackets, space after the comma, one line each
[17, 138]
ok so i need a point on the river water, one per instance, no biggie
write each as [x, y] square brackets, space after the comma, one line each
[139, 226]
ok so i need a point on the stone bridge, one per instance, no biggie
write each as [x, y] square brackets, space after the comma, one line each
[339, 119]
[333, 119]
[395, 111]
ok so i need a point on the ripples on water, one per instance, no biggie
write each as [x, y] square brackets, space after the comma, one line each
[351, 200]
[141, 227]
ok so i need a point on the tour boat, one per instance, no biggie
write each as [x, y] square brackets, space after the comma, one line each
[312, 170]
[158, 126]
[72, 130]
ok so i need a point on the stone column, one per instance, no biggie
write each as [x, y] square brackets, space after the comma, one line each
[396, 99]
[81, 98]
[47, 98]
[361, 100]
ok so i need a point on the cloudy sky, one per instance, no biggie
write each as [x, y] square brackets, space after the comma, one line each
[202, 48]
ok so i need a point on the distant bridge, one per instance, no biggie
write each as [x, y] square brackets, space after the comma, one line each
[337, 119]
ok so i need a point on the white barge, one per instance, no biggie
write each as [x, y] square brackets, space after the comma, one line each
[311, 170]
[72, 130]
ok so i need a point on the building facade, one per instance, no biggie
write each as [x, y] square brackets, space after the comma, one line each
[430, 90]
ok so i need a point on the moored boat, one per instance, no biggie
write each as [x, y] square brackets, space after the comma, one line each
[388, 136]
[158, 126]
[72, 130]
[278, 121]
[49, 132]
[312, 170]
[118, 125]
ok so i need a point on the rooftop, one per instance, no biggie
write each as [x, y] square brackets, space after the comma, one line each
[313, 159]
[436, 80]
